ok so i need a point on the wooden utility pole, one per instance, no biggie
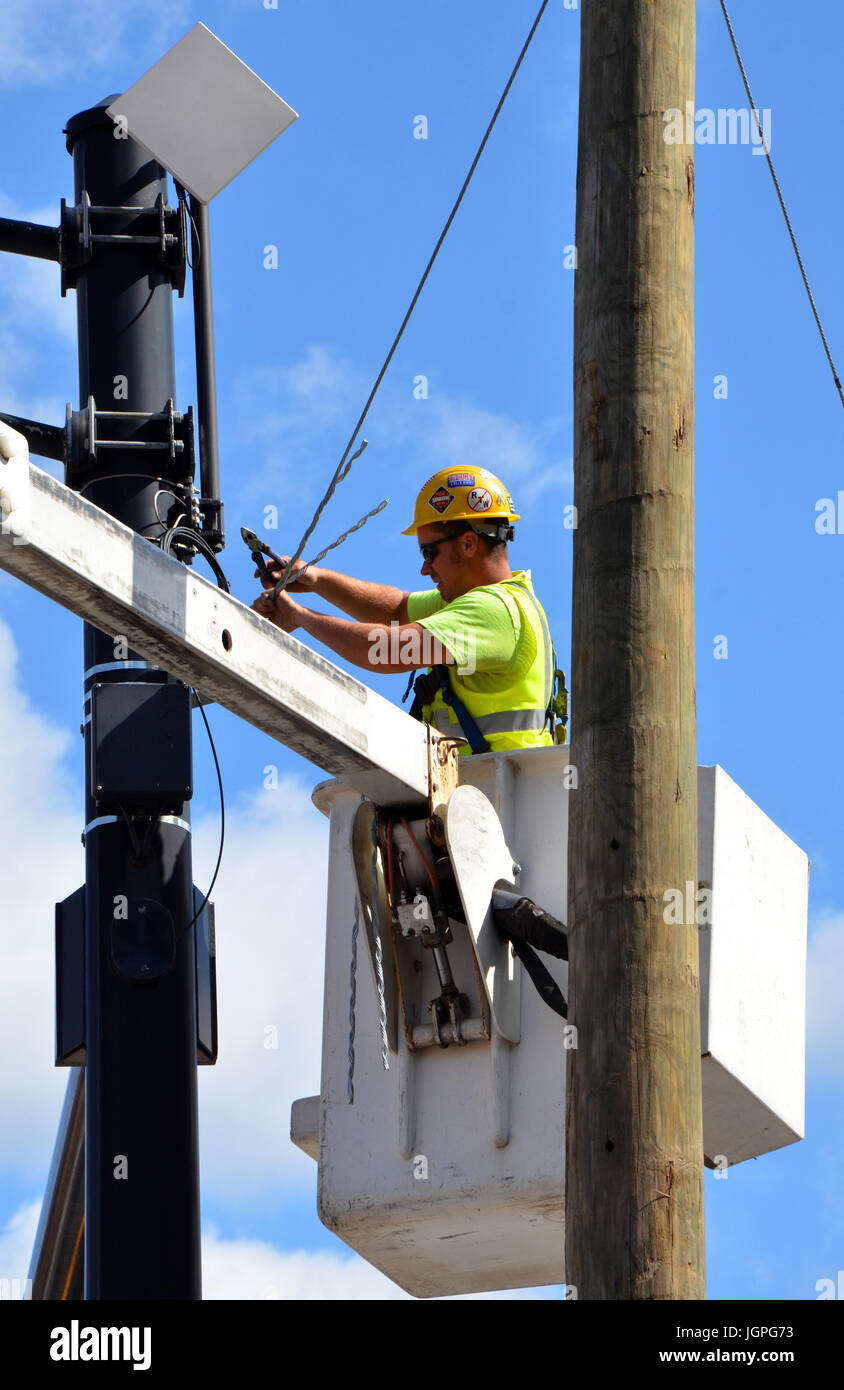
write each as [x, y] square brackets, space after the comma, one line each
[634, 1180]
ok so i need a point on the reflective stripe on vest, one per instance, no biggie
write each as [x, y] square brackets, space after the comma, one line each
[506, 722]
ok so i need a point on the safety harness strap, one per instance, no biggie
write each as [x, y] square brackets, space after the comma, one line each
[425, 689]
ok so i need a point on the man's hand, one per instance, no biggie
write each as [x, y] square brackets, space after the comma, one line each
[362, 600]
[307, 583]
[284, 612]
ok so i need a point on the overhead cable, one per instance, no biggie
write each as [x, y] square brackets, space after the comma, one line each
[755, 113]
[342, 469]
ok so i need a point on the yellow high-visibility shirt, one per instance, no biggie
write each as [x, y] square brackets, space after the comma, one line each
[498, 636]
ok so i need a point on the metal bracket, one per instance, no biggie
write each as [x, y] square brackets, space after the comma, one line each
[87, 224]
[89, 430]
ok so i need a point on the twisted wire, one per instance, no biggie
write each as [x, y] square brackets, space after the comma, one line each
[288, 576]
[376, 936]
[350, 1079]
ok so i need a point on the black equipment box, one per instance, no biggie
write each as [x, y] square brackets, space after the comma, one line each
[141, 754]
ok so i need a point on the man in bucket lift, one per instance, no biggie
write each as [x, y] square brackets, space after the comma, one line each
[481, 630]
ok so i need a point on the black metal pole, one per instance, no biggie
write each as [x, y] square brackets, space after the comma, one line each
[141, 1146]
[30, 239]
[47, 441]
[206, 371]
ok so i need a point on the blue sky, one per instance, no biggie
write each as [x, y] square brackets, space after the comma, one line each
[354, 203]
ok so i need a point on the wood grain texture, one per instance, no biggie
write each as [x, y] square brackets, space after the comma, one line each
[634, 1181]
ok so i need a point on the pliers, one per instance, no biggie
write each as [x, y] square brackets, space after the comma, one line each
[259, 550]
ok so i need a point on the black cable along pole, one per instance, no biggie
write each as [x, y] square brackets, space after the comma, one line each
[141, 1145]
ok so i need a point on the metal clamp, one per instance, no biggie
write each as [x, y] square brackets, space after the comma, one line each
[449, 1009]
[87, 224]
[89, 430]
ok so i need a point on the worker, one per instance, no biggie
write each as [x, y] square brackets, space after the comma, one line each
[480, 630]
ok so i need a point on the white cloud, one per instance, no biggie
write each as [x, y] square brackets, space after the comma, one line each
[270, 912]
[319, 377]
[296, 418]
[42, 44]
[466, 435]
[33, 306]
[17, 1238]
[254, 1269]
[302, 399]
[824, 1015]
[40, 826]
[290, 413]
[39, 292]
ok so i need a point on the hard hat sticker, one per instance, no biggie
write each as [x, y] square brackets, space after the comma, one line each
[479, 500]
[441, 500]
[460, 480]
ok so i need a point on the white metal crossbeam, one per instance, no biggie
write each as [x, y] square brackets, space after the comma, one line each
[78, 555]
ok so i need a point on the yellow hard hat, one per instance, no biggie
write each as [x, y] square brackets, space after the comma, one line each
[461, 494]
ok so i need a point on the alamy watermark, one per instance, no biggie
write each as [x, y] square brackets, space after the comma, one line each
[726, 126]
[394, 647]
[78, 1343]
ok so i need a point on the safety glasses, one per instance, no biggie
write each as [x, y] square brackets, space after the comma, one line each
[429, 552]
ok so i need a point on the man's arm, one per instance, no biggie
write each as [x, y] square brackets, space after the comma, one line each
[385, 647]
[360, 598]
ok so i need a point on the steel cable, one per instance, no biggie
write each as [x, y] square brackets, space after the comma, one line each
[350, 1079]
[755, 113]
[342, 467]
